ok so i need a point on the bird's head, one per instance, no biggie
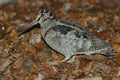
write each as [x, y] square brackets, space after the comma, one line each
[43, 17]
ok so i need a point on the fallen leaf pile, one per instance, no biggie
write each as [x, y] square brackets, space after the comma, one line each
[27, 57]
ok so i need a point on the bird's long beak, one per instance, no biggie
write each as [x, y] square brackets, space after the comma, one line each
[29, 26]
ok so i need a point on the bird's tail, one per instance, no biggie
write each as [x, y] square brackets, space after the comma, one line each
[110, 53]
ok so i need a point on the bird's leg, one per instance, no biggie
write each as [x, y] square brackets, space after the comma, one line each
[66, 59]
[72, 59]
[57, 62]
[53, 63]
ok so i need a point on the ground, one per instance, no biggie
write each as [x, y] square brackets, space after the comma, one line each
[27, 57]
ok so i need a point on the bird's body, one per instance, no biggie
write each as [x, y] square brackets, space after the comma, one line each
[67, 38]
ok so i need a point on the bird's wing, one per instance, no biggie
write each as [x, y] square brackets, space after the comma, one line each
[92, 44]
[69, 40]
[88, 42]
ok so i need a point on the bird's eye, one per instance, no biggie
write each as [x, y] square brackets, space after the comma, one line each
[42, 15]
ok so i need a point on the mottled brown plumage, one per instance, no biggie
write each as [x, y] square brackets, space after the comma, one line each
[67, 38]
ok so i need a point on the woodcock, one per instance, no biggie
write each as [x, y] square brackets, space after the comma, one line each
[67, 38]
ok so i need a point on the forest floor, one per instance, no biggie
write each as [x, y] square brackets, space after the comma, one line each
[27, 57]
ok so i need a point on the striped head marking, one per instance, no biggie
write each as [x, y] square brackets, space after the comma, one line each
[44, 15]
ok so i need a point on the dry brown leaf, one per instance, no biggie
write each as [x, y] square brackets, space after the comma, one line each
[6, 63]
[13, 35]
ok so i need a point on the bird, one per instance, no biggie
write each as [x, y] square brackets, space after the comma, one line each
[67, 38]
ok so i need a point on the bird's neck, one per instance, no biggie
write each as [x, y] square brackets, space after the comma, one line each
[45, 27]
